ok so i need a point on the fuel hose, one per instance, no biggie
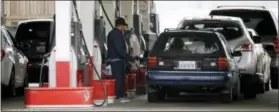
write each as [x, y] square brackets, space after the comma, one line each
[90, 59]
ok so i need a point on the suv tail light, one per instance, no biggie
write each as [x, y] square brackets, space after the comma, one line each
[276, 47]
[152, 61]
[246, 47]
[2, 54]
[222, 63]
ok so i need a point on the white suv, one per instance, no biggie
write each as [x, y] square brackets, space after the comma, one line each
[265, 23]
[239, 40]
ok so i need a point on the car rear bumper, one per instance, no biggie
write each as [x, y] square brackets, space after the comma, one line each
[34, 70]
[247, 64]
[186, 78]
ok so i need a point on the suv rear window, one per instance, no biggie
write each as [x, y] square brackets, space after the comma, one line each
[259, 20]
[231, 30]
[33, 38]
[33, 30]
[187, 44]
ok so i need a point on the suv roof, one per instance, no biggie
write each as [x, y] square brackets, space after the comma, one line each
[216, 17]
[169, 31]
[34, 20]
[248, 7]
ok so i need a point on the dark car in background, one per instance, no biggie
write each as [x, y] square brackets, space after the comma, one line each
[264, 22]
[33, 39]
[192, 61]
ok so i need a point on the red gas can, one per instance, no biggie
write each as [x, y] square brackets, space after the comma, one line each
[98, 94]
[131, 82]
[141, 81]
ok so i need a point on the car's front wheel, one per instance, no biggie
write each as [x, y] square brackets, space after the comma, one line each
[156, 96]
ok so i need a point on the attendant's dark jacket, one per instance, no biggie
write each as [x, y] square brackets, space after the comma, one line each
[116, 45]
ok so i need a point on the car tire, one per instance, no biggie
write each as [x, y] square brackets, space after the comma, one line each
[236, 91]
[156, 96]
[11, 89]
[21, 90]
[250, 93]
[261, 88]
[227, 97]
[172, 94]
[274, 78]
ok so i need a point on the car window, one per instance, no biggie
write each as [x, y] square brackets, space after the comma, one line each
[173, 45]
[3, 40]
[259, 20]
[12, 38]
[35, 30]
[231, 30]
[8, 38]
[226, 45]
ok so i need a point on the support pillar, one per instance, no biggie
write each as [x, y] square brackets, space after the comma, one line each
[86, 11]
[144, 10]
[127, 10]
[109, 6]
[62, 82]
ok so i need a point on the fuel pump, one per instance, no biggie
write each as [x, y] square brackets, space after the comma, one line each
[90, 59]
[154, 19]
[100, 36]
[138, 29]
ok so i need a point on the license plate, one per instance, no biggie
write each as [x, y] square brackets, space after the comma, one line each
[186, 65]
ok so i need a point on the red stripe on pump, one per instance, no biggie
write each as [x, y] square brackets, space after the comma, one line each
[62, 74]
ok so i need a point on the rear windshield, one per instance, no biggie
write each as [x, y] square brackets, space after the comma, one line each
[231, 30]
[33, 38]
[184, 44]
[34, 30]
[261, 21]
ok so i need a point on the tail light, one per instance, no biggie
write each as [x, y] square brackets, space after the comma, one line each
[152, 61]
[246, 47]
[276, 46]
[222, 63]
[2, 54]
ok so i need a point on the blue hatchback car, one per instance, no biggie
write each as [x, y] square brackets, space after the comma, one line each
[192, 61]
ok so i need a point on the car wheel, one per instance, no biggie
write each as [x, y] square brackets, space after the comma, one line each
[11, 88]
[261, 88]
[227, 97]
[156, 96]
[274, 78]
[236, 91]
[25, 84]
[172, 94]
[250, 93]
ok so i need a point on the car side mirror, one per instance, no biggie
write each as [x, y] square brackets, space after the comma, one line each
[257, 39]
[236, 53]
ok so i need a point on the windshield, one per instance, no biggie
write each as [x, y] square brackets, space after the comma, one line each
[35, 30]
[260, 21]
[231, 30]
[33, 38]
[186, 45]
